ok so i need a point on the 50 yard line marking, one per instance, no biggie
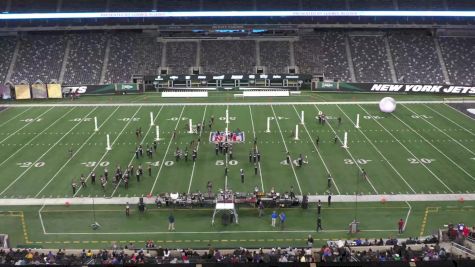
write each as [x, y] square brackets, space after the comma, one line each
[379, 152]
[351, 155]
[259, 163]
[407, 149]
[77, 151]
[133, 155]
[107, 151]
[166, 152]
[197, 148]
[318, 152]
[23, 173]
[28, 123]
[226, 156]
[287, 150]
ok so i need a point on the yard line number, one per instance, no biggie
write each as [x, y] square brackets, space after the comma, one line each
[417, 161]
[359, 161]
[231, 162]
[93, 164]
[32, 120]
[27, 164]
[167, 163]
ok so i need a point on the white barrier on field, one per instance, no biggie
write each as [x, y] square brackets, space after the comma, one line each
[265, 93]
[185, 94]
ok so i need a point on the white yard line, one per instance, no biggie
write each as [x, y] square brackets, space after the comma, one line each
[226, 155]
[166, 152]
[458, 111]
[286, 150]
[51, 147]
[379, 152]
[438, 150]
[351, 155]
[14, 117]
[449, 119]
[197, 149]
[133, 155]
[41, 219]
[409, 151]
[228, 104]
[407, 216]
[36, 136]
[77, 151]
[254, 135]
[28, 123]
[219, 232]
[456, 141]
[319, 154]
[107, 151]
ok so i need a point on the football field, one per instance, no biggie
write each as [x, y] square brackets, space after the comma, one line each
[422, 148]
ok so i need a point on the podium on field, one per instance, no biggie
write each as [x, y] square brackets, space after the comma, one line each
[225, 204]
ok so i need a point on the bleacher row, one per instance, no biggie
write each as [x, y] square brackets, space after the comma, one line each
[218, 5]
[79, 58]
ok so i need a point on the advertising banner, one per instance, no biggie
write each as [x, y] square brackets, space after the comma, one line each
[396, 88]
[89, 89]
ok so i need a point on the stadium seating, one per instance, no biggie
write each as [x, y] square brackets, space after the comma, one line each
[24, 6]
[275, 55]
[370, 59]
[228, 56]
[371, 5]
[414, 55]
[415, 58]
[130, 5]
[7, 46]
[86, 57]
[83, 6]
[39, 58]
[459, 55]
[181, 56]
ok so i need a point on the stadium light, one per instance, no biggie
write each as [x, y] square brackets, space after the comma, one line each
[191, 14]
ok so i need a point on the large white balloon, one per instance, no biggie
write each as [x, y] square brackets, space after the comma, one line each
[387, 105]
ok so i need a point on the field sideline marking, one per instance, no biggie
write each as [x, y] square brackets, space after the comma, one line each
[438, 150]
[133, 155]
[166, 152]
[36, 136]
[351, 155]
[287, 150]
[254, 134]
[41, 219]
[107, 151]
[231, 104]
[470, 151]
[197, 148]
[14, 117]
[318, 152]
[460, 126]
[77, 151]
[407, 216]
[226, 155]
[410, 152]
[377, 150]
[219, 232]
[23, 173]
[28, 123]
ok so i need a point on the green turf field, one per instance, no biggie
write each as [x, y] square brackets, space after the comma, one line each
[420, 149]
[70, 226]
